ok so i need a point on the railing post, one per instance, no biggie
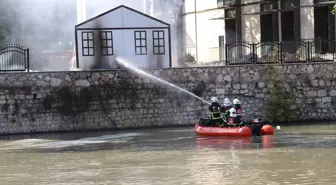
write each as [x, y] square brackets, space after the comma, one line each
[226, 55]
[253, 54]
[309, 56]
[28, 59]
[280, 52]
[334, 48]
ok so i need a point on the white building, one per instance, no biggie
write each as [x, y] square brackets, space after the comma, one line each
[210, 25]
[123, 32]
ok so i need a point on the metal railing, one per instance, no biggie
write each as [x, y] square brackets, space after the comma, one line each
[14, 57]
[302, 51]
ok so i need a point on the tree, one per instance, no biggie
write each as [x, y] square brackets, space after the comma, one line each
[334, 10]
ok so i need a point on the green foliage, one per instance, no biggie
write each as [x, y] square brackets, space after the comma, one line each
[278, 105]
[333, 11]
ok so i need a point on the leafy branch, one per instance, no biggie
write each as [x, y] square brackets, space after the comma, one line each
[279, 102]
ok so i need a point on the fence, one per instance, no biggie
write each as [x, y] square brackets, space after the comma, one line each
[242, 52]
[14, 57]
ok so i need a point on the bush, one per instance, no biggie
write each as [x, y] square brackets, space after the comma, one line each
[189, 58]
[279, 102]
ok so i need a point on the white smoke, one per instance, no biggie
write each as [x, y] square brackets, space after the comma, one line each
[46, 26]
[170, 11]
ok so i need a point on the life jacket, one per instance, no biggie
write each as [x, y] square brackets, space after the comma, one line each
[225, 111]
[231, 120]
[239, 110]
[215, 111]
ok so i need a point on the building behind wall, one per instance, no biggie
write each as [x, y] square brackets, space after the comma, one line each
[210, 25]
[123, 32]
[168, 11]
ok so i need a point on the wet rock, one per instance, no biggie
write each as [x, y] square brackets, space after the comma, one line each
[326, 99]
[55, 82]
[261, 85]
[311, 93]
[41, 83]
[82, 83]
[321, 83]
[322, 93]
[314, 83]
[236, 86]
[310, 69]
[219, 78]
[67, 78]
[220, 91]
[332, 93]
[227, 78]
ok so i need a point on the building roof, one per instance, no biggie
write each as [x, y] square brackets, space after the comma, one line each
[119, 9]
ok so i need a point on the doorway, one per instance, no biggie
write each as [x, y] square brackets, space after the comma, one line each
[230, 31]
[321, 29]
[266, 30]
[287, 23]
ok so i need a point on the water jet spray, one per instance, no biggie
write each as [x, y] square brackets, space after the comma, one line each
[129, 66]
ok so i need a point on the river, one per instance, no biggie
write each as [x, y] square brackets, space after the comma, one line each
[303, 154]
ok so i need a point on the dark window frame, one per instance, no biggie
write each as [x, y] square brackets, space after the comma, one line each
[104, 40]
[87, 40]
[159, 46]
[222, 3]
[140, 39]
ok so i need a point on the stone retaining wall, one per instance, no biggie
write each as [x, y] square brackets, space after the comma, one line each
[66, 101]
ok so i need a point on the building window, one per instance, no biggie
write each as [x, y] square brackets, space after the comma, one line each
[230, 13]
[222, 3]
[88, 44]
[140, 42]
[158, 43]
[107, 42]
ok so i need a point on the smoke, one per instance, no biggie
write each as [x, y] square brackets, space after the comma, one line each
[47, 26]
[42, 26]
[171, 11]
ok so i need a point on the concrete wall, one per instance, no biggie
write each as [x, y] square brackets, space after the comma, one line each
[65, 101]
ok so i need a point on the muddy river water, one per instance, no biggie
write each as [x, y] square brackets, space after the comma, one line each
[172, 156]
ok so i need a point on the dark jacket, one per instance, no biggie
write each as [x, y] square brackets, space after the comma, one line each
[225, 109]
[214, 107]
[239, 110]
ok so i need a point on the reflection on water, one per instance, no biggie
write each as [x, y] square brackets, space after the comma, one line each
[295, 155]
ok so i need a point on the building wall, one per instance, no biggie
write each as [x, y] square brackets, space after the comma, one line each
[209, 30]
[150, 60]
[124, 46]
[122, 18]
[68, 101]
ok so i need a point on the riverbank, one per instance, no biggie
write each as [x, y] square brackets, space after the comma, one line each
[41, 102]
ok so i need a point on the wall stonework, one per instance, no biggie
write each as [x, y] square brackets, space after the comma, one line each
[67, 101]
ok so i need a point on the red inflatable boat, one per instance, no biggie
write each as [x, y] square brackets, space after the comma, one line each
[244, 131]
